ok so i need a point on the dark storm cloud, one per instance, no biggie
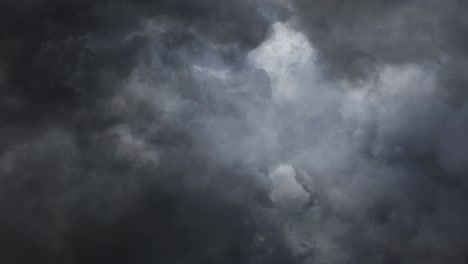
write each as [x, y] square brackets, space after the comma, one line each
[49, 47]
[355, 37]
[105, 116]
[225, 132]
[402, 197]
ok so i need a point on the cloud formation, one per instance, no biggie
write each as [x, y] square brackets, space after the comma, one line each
[253, 131]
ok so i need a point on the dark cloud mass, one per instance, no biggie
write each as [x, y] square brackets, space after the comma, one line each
[94, 169]
[248, 131]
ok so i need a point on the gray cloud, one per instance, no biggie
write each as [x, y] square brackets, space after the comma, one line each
[112, 122]
[233, 132]
[381, 172]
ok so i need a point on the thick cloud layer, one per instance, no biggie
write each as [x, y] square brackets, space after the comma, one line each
[389, 171]
[252, 131]
[110, 111]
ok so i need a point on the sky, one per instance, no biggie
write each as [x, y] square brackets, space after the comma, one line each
[234, 132]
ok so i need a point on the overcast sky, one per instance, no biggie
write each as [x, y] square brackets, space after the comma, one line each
[234, 132]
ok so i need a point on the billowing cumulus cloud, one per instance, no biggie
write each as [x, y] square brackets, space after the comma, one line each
[252, 131]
